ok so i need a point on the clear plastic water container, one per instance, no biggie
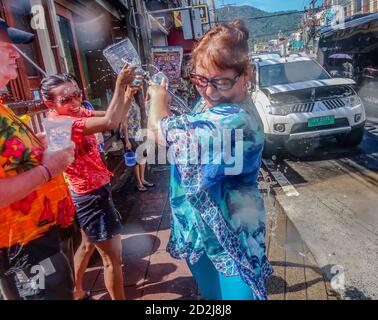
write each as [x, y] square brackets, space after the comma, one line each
[121, 52]
[58, 133]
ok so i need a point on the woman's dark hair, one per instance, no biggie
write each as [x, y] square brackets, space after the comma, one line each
[225, 46]
[51, 82]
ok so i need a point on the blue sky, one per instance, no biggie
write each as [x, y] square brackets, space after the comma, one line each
[269, 5]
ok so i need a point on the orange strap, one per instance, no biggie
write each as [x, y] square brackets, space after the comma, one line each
[2, 173]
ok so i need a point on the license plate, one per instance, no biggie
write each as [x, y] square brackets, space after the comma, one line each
[321, 121]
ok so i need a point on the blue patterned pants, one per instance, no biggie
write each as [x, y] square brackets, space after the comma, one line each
[213, 285]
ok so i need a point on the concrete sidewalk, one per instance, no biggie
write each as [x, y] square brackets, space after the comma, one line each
[151, 274]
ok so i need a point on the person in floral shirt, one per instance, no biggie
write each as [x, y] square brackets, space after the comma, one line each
[35, 202]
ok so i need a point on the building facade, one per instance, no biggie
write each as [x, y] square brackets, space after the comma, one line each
[69, 37]
[354, 7]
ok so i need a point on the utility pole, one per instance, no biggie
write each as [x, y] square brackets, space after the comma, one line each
[310, 23]
[145, 29]
[145, 32]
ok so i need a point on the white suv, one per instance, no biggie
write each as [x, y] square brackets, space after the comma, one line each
[299, 103]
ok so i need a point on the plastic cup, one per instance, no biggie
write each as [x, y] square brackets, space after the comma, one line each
[158, 78]
[58, 133]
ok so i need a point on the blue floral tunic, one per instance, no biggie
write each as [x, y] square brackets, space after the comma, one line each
[216, 206]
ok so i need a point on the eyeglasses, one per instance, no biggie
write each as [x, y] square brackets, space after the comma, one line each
[68, 99]
[221, 84]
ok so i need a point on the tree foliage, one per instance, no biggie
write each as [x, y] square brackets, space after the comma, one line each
[264, 29]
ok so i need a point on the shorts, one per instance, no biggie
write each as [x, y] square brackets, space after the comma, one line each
[96, 214]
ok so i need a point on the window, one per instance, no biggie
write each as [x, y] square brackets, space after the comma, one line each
[357, 6]
[69, 46]
[291, 72]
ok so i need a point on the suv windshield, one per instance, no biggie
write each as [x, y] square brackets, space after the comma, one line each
[291, 72]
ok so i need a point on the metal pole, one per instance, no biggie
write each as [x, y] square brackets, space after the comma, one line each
[171, 10]
[30, 61]
[144, 32]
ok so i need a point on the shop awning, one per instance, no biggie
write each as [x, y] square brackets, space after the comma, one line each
[329, 31]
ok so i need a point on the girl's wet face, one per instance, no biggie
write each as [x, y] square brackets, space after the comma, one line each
[215, 96]
[68, 99]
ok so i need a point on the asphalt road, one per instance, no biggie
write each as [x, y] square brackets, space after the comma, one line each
[331, 197]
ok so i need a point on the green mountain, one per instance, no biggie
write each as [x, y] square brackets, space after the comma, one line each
[263, 29]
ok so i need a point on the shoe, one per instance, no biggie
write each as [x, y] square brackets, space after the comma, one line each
[149, 185]
[141, 189]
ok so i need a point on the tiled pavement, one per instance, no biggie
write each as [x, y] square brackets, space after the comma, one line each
[151, 274]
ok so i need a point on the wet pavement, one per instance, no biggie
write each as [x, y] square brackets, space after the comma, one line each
[151, 274]
[331, 197]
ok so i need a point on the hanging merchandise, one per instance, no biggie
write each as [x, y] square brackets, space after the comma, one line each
[169, 61]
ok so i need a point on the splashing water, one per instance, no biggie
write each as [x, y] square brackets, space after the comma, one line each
[178, 105]
[270, 210]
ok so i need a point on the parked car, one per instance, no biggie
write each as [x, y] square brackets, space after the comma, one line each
[299, 104]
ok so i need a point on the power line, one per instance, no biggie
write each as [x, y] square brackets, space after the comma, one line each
[291, 12]
[270, 16]
[273, 34]
[310, 10]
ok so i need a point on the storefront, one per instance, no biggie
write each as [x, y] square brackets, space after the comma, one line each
[72, 40]
[352, 52]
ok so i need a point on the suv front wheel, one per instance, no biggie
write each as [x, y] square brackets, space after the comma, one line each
[351, 139]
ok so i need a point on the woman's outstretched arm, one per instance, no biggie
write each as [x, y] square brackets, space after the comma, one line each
[119, 106]
[159, 100]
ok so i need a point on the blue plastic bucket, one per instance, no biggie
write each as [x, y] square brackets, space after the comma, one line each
[130, 159]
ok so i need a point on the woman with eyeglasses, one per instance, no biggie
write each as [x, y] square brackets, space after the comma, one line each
[218, 218]
[88, 176]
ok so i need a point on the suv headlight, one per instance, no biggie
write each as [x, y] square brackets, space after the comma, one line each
[353, 101]
[280, 110]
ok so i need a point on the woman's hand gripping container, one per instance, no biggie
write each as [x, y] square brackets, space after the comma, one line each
[159, 77]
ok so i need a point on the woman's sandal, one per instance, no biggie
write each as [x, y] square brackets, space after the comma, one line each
[141, 189]
[149, 185]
